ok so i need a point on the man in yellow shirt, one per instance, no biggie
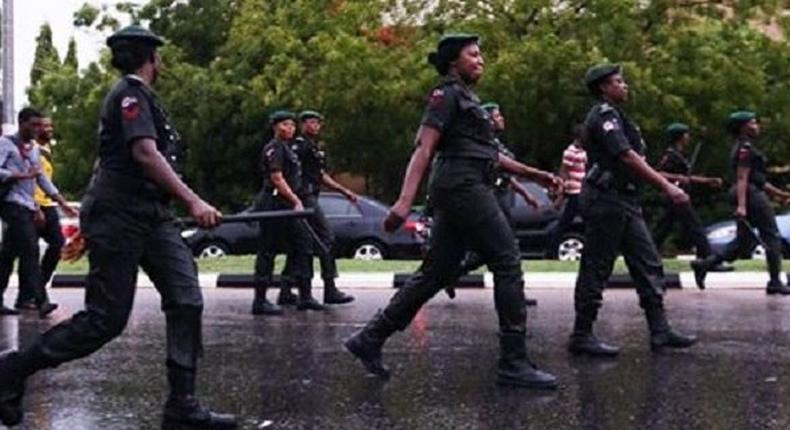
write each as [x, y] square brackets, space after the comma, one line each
[48, 219]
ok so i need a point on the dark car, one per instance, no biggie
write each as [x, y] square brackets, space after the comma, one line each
[357, 228]
[722, 233]
[535, 228]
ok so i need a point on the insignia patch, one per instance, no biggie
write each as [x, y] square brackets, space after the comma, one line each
[269, 153]
[130, 108]
[436, 97]
[610, 125]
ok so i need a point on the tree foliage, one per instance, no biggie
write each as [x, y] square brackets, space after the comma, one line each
[231, 62]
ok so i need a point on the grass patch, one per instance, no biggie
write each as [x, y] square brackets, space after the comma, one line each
[246, 263]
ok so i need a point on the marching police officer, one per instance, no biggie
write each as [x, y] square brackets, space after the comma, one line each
[314, 174]
[752, 206]
[613, 218]
[677, 169]
[505, 188]
[283, 189]
[466, 214]
[127, 223]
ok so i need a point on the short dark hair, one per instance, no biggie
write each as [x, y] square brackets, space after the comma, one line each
[28, 113]
[128, 56]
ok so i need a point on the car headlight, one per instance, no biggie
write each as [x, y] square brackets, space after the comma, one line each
[186, 234]
[722, 233]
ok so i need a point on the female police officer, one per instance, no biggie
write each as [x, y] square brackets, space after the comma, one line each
[127, 223]
[466, 213]
[282, 189]
[751, 192]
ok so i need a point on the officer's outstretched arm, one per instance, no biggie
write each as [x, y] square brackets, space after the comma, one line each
[156, 167]
[544, 178]
[639, 166]
[776, 192]
[426, 142]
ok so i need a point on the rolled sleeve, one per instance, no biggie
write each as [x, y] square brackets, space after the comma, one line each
[440, 109]
[137, 119]
[614, 140]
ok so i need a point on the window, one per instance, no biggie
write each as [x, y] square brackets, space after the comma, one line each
[334, 206]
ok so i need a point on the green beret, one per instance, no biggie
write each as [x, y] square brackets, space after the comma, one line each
[490, 107]
[738, 118]
[310, 114]
[135, 33]
[675, 130]
[598, 73]
[281, 115]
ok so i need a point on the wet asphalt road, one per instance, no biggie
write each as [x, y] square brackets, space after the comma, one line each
[292, 370]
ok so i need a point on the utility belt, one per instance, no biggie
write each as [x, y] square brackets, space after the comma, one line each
[483, 169]
[107, 181]
[607, 183]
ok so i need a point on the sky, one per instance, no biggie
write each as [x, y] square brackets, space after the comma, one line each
[30, 15]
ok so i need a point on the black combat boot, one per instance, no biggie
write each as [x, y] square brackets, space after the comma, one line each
[182, 409]
[584, 342]
[661, 334]
[15, 368]
[515, 369]
[262, 306]
[450, 291]
[776, 286]
[306, 300]
[286, 297]
[702, 267]
[333, 296]
[366, 344]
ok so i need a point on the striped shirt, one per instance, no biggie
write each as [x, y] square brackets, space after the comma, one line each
[574, 159]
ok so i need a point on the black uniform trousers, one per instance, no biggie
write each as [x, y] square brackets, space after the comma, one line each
[761, 216]
[21, 241]
[614, 225]
[323, 230]
[505, 197]
[691, 227]
[283, 236]
[124, 232]
[467, 217]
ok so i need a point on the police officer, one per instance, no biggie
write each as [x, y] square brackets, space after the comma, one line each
[127, 223]
[505, 188]
[314, 174]
[283, 189]
[613, 218]
[677, 169]
[466, 213]
[752, 206]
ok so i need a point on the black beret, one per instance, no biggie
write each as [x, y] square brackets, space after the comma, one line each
[449, 48]
[598, 73]
[307, 114]
[281, 115]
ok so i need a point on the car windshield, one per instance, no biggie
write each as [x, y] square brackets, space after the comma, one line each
[338, 206]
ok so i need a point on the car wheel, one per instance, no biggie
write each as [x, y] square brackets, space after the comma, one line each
[368, 250]
[758, 253]
[212, 250]
[570, 248]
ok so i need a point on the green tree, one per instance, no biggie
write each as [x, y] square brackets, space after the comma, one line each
[46, 57]
[70, 61]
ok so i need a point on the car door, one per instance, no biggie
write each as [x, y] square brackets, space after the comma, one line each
[532, 224]
[344, 217]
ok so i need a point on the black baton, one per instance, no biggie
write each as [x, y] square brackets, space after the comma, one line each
[252, 216]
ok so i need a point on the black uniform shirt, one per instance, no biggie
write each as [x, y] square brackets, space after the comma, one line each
[131, 111]
[313, 163]
[278, 157]
[465, 127]
[673, 161]
[744, 154]
[609, 134]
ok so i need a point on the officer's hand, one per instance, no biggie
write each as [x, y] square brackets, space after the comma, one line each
[396, 217]
[715, 182]
[352, 196]
[530, 200]
[70, 211]
[678, 196]
[205, 215]
[298, 206]
[740, 212]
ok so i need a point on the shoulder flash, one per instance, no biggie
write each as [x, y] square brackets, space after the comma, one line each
[605, 108]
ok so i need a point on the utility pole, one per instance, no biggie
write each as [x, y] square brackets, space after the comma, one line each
[8, 66]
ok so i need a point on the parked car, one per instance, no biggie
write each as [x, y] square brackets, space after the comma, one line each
[357, 228]
[535, 227]
[722, 233]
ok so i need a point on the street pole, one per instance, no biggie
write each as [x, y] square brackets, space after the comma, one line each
[8, 66]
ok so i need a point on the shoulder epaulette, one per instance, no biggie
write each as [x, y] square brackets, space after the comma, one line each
[605, 108]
